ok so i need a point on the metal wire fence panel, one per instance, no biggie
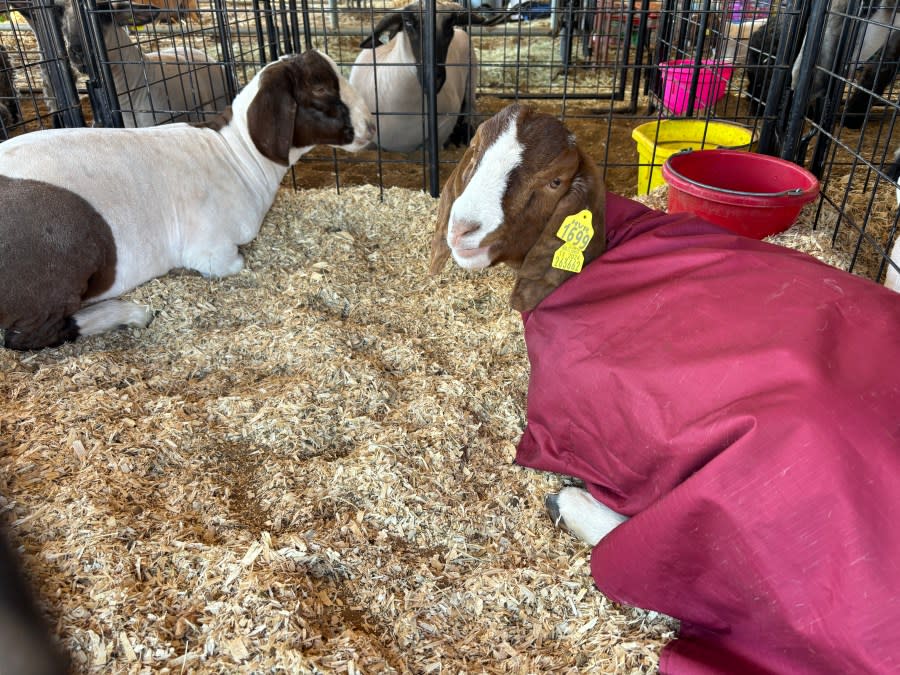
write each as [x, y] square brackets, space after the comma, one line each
[37, 88]
[636, 80]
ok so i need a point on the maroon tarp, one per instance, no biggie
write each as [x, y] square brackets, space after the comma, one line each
[742, 402]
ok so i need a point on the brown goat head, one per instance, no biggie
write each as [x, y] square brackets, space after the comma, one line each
[522, 178]
[300, 103]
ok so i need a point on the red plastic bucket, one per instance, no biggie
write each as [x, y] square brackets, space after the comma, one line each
[748, 193]
[712, 81]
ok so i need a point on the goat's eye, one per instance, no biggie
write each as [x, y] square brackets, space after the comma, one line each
[555, 183]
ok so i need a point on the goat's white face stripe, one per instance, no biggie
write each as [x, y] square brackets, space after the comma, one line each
[481, 203]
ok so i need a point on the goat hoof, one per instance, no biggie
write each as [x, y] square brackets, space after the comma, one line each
[551, 503]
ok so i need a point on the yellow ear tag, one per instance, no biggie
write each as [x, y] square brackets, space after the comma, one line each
[576, 231]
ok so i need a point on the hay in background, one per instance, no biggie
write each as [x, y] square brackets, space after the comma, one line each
[306, 466]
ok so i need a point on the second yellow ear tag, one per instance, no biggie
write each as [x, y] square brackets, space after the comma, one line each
[576, 231]
[568, 257]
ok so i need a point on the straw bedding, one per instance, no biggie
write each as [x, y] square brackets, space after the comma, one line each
[306, 467]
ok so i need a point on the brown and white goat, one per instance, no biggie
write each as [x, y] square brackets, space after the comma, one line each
[166, 85]
[505, 202]
[502, 204]
[716, 394]
[88, 214]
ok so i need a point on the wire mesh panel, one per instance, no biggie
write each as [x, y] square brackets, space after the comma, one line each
[635, 80]
[813, 82]
[37, 88]
[849, 132]
[580, 60]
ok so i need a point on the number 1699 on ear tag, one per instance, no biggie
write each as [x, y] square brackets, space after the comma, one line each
[576, 231]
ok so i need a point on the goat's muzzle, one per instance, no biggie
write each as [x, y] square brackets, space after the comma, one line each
[459, 229]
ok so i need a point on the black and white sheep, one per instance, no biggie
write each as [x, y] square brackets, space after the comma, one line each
[175, 84]
[87, 214]
[26, 645]
[389, 76]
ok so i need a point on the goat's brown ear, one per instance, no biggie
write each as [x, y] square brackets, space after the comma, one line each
[390, 23]
[453, 188]
[537, 277]
[271, 114]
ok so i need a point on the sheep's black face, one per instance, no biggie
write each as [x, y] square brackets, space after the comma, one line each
[412, 26]
[520, 166]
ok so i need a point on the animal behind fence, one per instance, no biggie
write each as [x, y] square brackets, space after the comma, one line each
[87, 214]
[864, 47]
[57, 81]
[390, 76]
[174, 84]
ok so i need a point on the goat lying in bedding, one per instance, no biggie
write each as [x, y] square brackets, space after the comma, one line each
[731, 406]
[88, 214]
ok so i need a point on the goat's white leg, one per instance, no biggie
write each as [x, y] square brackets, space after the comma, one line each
[216, 261]
[581, 514]
[892, 280]
[111, 314]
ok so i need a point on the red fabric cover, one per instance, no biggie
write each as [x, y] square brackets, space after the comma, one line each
[742, 402]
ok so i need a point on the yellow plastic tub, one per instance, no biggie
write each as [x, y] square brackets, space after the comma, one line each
[659, 140]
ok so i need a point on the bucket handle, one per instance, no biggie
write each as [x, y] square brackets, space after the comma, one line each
[793, 192]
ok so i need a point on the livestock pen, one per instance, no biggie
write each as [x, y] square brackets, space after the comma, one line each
[308, 466]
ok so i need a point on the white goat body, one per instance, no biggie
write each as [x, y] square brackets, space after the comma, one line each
[175, 195]
[400, 102]
[161, 219]
[162, 86]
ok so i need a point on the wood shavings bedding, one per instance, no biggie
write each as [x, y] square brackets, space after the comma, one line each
[307, 467]
[304, 467]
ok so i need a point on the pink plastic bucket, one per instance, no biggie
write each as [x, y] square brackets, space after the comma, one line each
[750, 194]
[712, 81]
